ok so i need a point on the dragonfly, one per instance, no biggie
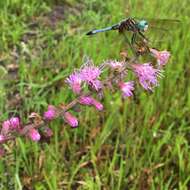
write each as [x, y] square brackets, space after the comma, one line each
[139, 42]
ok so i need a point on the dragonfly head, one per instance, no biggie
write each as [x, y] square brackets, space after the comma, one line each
[142, 25]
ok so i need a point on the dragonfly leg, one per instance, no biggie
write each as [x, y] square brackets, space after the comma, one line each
[130, 45]
[134, 42]
[143, 36]
[133, 39]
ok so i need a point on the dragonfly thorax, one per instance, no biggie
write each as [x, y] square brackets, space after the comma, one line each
[142, 25]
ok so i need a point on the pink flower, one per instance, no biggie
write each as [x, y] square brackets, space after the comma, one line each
[70, 119]
[14, 122]
[147, 75]
[34, 135]
[10, 124]
[75, 81]
[90, 73]
[127, 88]
[115, 64]
[50, 114]
[161, 56]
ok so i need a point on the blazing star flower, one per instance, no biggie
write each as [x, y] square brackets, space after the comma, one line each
[90, 73]
[14, 122]
[34, 135]
[50, 114]
[74, 80]
[127, 88]
[161, 56]
[117, 65]
[10, 124]
[70, 119]
[147, 75]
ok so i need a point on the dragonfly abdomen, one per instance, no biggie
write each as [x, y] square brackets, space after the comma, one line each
[128, 24]
[100, 30]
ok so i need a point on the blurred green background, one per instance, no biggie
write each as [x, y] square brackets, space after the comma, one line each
[130, 145]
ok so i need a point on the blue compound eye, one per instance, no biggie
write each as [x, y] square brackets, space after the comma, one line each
[143, 25]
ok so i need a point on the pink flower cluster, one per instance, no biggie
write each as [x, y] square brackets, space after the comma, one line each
[161, 56]
[87, 75]
[86, 83]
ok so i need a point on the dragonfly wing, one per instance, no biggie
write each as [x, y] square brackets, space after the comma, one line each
[164, 23]
[160, 30]
[141, 43]
[158, 35]
[128, 40]
[161, 23]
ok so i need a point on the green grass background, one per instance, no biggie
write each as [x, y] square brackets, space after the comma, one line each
[130, 145]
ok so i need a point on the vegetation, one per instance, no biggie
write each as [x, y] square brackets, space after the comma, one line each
[138, 143]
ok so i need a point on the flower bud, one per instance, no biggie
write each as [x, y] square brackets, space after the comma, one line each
[50, 114]
[70, 119]
[34, 135]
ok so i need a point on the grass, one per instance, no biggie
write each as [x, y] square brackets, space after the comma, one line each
[130, 145]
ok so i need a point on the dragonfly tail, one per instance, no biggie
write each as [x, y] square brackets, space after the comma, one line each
[92, 32]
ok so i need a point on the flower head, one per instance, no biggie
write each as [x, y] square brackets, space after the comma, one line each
[34, 135]
[117, 65]
[14, 122]
[50, 114]
[147, 75]
[90, 73]
[161, 56]
[75, 81]
[70, 119]
[127, 88]
[11, 124]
